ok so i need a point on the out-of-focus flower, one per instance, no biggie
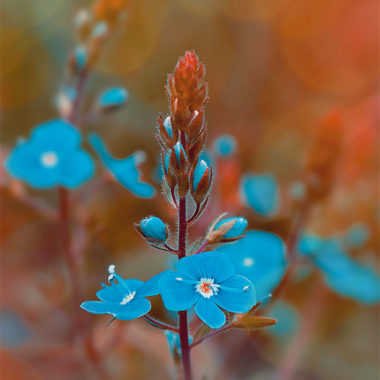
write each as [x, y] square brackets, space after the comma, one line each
[124, 300]
[237, 228]
[51, 157]
[112, 99]
[261, 193]
[341, 273]
[224, 145]
[260, 256]
[153, 229]
[174, 343]
[124, 170]
[209, 282]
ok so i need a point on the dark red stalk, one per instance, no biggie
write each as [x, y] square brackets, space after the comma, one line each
[183, 327]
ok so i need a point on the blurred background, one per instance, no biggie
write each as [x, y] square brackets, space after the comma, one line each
[275, 70]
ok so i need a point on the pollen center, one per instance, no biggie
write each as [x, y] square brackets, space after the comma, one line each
[49, 159]
[248, 262]
[129, 297]
[206, 287]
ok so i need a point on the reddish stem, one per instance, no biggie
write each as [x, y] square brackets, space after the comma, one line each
[160, 324]
[201, 248]
[183, 326]
[209, 335]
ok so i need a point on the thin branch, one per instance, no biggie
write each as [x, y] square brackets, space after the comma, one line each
[209, 335]
[189, 221]
[160, 324]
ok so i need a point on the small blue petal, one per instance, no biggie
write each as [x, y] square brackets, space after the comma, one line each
[97, 307]
[124, 170]
[109, 294]
[151, 287]
[309, 244]
[237, 294]
[261, 193]
[178, 148]
[113, 97]
[209, 313]
[168, 127]
[237, 229]
[225, 145]
[199, 171]
[209, 264]
[177, 294]
[133, 309]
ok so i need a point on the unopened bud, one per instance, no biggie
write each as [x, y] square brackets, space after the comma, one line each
[200, 181]
[226, 230]
[178, 158]
[153, 229]
[112, 99]
[237, 228]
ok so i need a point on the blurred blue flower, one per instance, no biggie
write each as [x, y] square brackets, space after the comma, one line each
[341, 273]
[237, 229]
[51, 157]
[207, 280]
[113, 98]
[224, 145]
[261, 193]
[124, 299]
[260, 256]
[80, 57]
[174, 342]
[124, 170]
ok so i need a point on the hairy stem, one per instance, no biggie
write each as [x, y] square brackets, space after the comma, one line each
[183, 326]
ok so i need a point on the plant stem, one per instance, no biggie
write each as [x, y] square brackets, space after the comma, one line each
[183, 327]
[160, 324]
[201, 248]
[68, 253]
[209, 335]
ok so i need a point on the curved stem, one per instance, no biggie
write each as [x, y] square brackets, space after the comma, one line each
[159, 324]
[201, 248]
[183, 326]
[209, 335]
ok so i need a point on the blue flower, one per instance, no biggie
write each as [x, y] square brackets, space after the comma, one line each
[124, 170]
[113, 98]
[260, 256]
[261, 193]
[225, 145]
[208, 281]
[124, 299]
[154, 228]
[51, 157]
[236, 230]
[341, 273]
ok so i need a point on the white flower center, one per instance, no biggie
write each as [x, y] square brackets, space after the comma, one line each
[49, 159]
[129, 297]
[206, 287]
[248, 262]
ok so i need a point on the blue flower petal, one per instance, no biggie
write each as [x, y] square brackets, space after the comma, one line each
[260, 257]
[309, 244]
[151, 287]
[133, 309]
[97, 307]
[57, 135]
[177, 295]
[109, 294]
[209, 264]
[124, 170]
[261, 193]
[233, 297]
[209, 313]
[21, 160]
[76, 168]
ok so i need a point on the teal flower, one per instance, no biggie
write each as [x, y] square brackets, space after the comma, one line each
[51, 157]
[124, 170]
[260, 257]
[124, 299]
[261, 193]
[224, 145]
[209, 282]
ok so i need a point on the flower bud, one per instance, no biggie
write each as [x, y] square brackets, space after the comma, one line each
[226, 230]
[153, 229]
[237, 228]
[178, 158]
[200, 181]
[168, 127]
[112, 99]
[168, 134]
[195, 124]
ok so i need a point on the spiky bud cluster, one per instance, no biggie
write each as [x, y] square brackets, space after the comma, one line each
[183, 133]
[323, 156]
